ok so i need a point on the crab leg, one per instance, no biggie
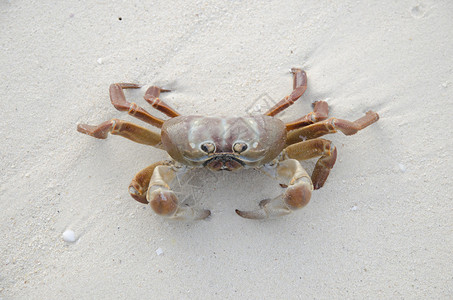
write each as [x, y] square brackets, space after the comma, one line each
[299, 88]
[311, 149]
[297, 194]
[152, 97]
[118, 100]
[125, 129]
[331, 126]
[319, 113]
[159, 195]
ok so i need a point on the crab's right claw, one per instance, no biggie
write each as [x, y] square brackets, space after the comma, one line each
[164, 202]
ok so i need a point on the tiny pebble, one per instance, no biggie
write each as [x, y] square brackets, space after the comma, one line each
[100, 60]
[354, 208]
[402, 167]
[159, 251]
[69, 236]
[257, 108]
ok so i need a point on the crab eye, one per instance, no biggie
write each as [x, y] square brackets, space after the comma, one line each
[208, 147]
[239, 147]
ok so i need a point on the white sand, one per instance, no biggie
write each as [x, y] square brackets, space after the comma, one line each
[380, 228]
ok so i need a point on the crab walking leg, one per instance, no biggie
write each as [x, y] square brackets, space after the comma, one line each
[299, 77]
[297, 194]
[164, 201]
[152, 97]
[319, 113]
[331, 125]
[315, 148]
[299, 88]
[119, 101]
[125, 129]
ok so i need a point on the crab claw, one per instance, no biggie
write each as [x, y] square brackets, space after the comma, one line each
[255, 214]
[252, 214]
[269, 208]
[296, 196]
[165, 203]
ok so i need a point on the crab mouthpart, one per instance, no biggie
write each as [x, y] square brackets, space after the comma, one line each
[224, 162]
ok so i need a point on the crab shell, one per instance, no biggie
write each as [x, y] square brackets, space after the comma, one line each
[183, 138]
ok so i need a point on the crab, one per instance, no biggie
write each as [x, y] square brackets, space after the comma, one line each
[229, 144]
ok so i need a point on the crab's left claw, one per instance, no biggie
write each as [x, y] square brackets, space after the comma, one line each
[296, 196]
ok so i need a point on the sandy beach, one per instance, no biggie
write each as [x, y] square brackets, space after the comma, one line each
[380, 228]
